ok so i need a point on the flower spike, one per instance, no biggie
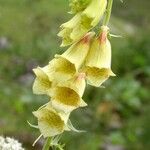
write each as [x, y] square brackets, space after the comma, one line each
[63, 80]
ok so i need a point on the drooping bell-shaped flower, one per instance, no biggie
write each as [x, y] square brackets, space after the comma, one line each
[50, 122]
[65, 66]
[78, 5]
[98, 61]
[92, 15]
[42, 83]
[66, 96]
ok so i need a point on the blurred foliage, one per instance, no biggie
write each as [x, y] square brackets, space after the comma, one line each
[117, 117]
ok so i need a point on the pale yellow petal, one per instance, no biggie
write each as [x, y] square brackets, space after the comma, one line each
[42, 84]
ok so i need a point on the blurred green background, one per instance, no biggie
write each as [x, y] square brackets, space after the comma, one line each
[118, 117]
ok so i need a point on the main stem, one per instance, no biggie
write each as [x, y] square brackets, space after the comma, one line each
[108, 13]
[47, 144]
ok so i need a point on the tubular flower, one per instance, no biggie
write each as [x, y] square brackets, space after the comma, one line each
[50, 122]
[42, 83]
[78, 5]
[98, 61]
[65, 66]
[67, 96]
[82, 22]
[93, 13]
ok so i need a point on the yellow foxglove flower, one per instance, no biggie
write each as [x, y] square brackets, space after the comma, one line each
[78, 5]
[50, 122]
[66, 96]
[98, 61]
[42, 83]
[65, 66]
[93, 13]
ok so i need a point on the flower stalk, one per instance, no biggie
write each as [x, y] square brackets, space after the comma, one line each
[108, 13]
[47, 144]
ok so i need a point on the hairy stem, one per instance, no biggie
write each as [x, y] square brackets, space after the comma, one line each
[47, 144]
[108, 13]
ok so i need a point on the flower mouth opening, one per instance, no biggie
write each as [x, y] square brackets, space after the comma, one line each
[52, 119]
[50, 122]
[64, 67]
[95, 71]
[66, 96]
[47, 83]
[96, 76]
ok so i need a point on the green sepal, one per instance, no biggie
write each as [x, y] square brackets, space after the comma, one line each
[71, 127]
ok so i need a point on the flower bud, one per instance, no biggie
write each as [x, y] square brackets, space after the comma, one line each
[82, 22]
[98, 61]
[93, 13]
[65, 66]
[78, 5]
[66, 96]
[42, 83]
[50, 122]
[67, 29]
